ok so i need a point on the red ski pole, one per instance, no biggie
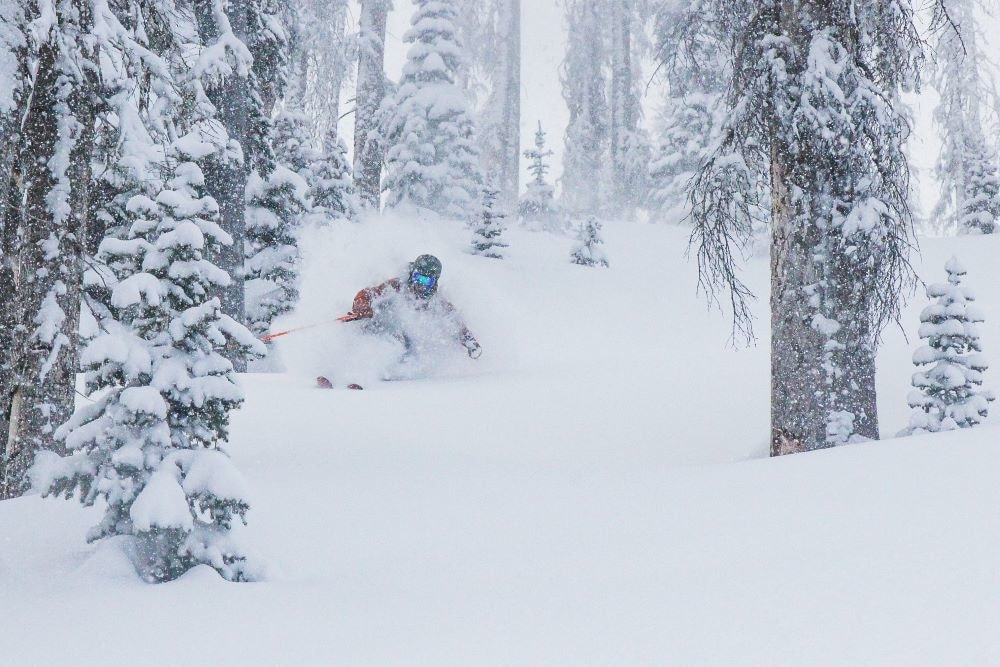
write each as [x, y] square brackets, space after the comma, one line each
[349, 317]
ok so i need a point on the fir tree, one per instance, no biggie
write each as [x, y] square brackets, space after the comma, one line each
[538, 207]
[487, 231]
[433, 161]
[813, 108]
[332, 190]
[966, 166]
[149, 443]
[588, 251]
[947, 390]
[275, 207]
[980, 213]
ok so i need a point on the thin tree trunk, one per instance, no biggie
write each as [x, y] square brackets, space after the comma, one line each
[371, 87]
[502, 131]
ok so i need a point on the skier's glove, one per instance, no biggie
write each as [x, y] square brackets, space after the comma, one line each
[474, 349]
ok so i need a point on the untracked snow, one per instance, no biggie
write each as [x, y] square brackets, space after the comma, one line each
[592, 491]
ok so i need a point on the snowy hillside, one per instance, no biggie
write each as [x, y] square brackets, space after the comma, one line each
[592, 491]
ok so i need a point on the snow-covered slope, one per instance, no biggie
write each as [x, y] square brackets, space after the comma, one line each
[593, 490]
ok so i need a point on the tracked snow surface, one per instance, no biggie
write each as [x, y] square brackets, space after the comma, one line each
[594, 490]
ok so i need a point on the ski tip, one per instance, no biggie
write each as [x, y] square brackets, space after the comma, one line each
[355, 386]
[323, 383]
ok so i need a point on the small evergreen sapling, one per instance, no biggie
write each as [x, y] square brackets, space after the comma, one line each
[538, 207]
[149, 442]
[588, 251]
[488, 229]
[947, 390]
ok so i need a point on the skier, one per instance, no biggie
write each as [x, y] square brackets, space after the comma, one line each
[381, 305]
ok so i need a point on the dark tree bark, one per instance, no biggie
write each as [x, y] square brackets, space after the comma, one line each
[371, 88]
[58, 136]
[238, 107]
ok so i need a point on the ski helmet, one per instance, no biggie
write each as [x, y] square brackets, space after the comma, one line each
[429, 265]
[424, 274]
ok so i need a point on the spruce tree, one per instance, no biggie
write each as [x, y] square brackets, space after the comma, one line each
[588, 251]
[331, 190]
[486, 232]
[275, 207]
[538, 207]
[149, 443]
[948, 390]
[432, 162]
[813, 108]
[966, 166]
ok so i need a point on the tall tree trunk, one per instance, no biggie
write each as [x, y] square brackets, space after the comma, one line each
[55, 157]
[226, 176]
[624, 119]
[822, 342]
[502, 133]
[371, 86]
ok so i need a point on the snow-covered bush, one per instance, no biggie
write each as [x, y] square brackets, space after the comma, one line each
[948, 390]
[486, 231]
[432, 162]
[587, 251]
[149, 440]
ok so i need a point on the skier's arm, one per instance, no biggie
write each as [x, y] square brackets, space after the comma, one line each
[363, 300]
[465, 336]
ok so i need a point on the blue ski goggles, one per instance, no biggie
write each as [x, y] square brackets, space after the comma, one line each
[418, 278]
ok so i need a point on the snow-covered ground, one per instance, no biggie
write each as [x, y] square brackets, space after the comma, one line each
[593, 491]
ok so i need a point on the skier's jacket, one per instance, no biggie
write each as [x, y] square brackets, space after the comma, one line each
[365, 298]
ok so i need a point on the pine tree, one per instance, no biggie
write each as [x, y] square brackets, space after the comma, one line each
[629, 144]
[433, 161]
[149, 443]
[588, 251]
[588, 134]
[489, 228]
[814, 109]
[980, 212]
[966, 166]
[695, 64]
[53, 171]
[947, 390]
[369, 146]
[275, 207]
[496, 55]
[538, 208]
[332, 189]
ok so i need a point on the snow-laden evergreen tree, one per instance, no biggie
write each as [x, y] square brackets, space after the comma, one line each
[149, 441]
[488, 228]
[538, 208]
[240, 71]
[432, 162]
[584, 77]
[492, 31]
[275, 208]
[588, 250]
[814, 108]
[630, 150]
[372, 87]
[948, 391]
[692, 40]
[980, 212]
[967, 165]
[331, 191]
[319, 58]
[52, 172]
